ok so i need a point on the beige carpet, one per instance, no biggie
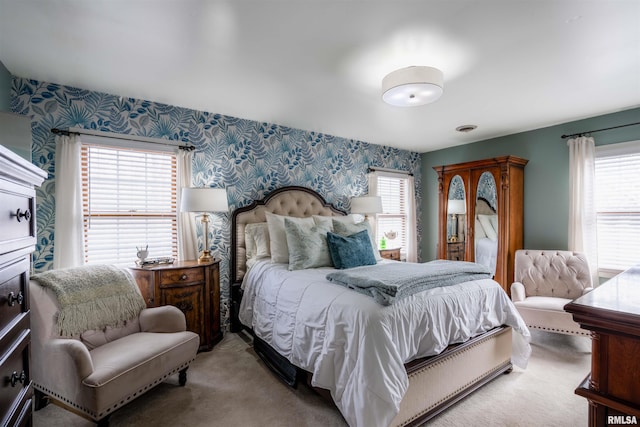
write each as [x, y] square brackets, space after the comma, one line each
[230, 386]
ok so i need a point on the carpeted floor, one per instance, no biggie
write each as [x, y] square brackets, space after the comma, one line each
[229, 386]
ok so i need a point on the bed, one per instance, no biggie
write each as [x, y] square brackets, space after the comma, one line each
[486, 234]
[396, 380]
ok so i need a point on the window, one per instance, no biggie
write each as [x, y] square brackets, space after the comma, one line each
[617, 199]
[129, 201]
[394, 192]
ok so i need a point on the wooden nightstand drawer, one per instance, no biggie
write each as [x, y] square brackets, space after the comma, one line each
[180, 276]
[455, 251]
[191, 286]
[393, 254]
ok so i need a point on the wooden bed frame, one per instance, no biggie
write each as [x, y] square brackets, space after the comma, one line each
[456, 372]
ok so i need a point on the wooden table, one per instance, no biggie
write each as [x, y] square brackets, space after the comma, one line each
[612, 313]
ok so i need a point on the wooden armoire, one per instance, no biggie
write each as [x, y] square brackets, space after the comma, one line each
[508, 204]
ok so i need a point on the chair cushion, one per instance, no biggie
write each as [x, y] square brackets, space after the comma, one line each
[129, 353]
[544, 303]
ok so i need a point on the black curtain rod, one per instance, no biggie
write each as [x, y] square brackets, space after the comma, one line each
[373, 169]
[599, 130]
[66, 132]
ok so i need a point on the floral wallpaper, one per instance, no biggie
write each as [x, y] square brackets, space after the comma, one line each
[248, 158]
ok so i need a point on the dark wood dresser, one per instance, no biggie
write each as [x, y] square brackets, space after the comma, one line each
[18, 177]
[612, 313]
[192, 287]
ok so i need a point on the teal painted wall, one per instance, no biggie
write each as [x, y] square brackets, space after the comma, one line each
[546, 194]
[5, 88]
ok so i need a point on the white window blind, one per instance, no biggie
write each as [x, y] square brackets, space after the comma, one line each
[393, 192]
[129, 202]
[618, 206]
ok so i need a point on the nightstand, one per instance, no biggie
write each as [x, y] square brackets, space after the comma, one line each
[192, 287]
[455, 251]
[393, 254]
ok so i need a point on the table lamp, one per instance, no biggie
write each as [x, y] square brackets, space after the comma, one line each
[366, 205]
[204, 200]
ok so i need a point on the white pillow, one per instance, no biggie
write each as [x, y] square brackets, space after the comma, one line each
[487, 227]
[256, 237]
[278, 238]
[327, 221]
[493, 219]
[479, 231]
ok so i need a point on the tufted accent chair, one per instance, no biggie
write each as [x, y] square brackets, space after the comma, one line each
[545, 281]
[102, 370]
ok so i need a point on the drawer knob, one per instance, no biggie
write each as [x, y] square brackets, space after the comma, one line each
[18, 378]
[26, 215]
[12, 299]
[183, 277]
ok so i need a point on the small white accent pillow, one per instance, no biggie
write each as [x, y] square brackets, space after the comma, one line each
[256, 237]
[487, 227]
[278, 238]
[479, 231]
[327, 221]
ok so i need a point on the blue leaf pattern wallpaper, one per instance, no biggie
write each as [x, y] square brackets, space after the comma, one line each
[248, 158]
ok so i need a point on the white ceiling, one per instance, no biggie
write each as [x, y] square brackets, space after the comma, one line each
[509, 65]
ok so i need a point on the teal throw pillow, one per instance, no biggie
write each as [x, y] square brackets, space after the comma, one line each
[345, 229]
[350, 251]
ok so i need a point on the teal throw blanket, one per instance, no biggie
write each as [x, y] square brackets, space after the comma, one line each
[92, 297]
[388, 282]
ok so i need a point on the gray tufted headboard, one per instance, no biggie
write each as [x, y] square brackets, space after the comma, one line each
[290, 201]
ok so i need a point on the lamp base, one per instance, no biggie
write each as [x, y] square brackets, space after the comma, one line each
[205, 257]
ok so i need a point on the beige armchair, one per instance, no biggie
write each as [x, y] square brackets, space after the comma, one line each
[99, 370]
[545, 281]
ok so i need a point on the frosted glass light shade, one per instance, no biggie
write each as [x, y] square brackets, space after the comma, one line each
[412, 86]
[366, 205]
[204, 200]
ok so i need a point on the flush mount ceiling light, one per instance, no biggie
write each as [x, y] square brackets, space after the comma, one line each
[412, 86]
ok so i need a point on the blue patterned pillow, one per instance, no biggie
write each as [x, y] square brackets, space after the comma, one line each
[350, 251]
[307, 245]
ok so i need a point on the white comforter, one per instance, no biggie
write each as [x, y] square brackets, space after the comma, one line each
[357, 348]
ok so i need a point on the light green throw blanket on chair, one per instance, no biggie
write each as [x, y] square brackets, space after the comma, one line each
[92, 297]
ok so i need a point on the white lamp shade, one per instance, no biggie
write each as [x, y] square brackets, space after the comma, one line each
[456, 207]
[412, 86]
[366, 205]
[204, 200]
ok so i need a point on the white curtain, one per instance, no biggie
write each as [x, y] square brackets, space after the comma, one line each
[582, 210]
[68, 250]
[412, 236]
[412, 229]
[187, 237]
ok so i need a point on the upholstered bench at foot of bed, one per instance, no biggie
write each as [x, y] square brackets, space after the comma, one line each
[457, 372]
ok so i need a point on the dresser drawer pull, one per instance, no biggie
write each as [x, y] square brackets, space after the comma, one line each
[12, 298]
[26, 215]
[183, 277]
[18, 378]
